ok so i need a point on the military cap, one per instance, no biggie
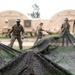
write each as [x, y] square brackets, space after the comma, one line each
[18, 20]
[41, 23]
[66, 19]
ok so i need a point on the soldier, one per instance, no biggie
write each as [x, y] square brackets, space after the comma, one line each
[74, 27]
[65, 27]
[16, 34]
[39, 32]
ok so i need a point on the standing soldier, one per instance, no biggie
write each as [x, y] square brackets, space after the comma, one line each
[39, 32]
[65, 28]
[16, 34]
[74, 27]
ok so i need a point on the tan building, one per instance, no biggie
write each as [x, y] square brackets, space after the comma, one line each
[57, 20]
[8, 19]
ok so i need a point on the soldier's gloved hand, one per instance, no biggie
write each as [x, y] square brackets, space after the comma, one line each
[22, 38]
[8, 35]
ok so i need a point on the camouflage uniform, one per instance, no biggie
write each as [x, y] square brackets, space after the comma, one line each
[39, 32]
[74, 27]
[16, 34]
[65, 26]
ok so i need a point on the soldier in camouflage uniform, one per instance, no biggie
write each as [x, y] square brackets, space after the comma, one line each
[16, 34]
[65, 27]
[74, 27]
[39, 32]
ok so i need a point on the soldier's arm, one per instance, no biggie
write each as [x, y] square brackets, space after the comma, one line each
[23, 31]
[48, 31]
[62, 27]
[42, 29]
[69, 26]
[11, 30]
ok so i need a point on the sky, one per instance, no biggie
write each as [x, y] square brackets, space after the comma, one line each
[48, 8]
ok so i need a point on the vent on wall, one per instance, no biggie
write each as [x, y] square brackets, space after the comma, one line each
[27, 23]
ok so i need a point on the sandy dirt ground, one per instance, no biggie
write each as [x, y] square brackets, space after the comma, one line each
[26, 41]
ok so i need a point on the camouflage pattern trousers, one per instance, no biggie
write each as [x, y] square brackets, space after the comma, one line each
[13, 38]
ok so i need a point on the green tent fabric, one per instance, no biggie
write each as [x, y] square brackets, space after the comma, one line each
[41, 59]
[7, 54]
[64, 57]
[27, 63]
[31, 63]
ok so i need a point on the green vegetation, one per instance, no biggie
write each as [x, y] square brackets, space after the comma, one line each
[2, 35]
[29, 36]
[24, 47]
